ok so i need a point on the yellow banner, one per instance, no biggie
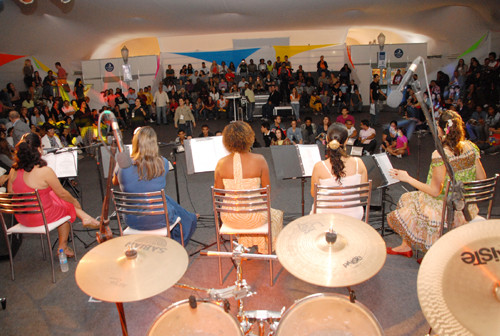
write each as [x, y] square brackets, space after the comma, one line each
[290, 51]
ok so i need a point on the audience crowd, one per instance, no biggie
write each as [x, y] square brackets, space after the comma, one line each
[213, 92]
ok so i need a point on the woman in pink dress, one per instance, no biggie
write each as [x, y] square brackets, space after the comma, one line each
[29, 173]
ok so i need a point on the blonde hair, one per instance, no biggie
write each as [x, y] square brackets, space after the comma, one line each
[145, 154]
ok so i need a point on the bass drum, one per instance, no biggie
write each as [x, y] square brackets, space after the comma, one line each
[328, 314]
[207, 319]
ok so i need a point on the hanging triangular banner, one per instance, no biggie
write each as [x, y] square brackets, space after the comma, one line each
[473, 47]
[290, 51]
[6, 58]
[40, 65]
[227, 56]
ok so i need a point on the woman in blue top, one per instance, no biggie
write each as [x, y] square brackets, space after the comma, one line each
[147, 174]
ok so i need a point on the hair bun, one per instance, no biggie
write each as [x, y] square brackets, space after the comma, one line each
[334, 144]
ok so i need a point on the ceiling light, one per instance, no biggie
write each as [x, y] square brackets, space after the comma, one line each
[381, 40]
[124, 52]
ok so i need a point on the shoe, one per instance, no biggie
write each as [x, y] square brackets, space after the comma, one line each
[91, 223]
[407, 254]
[399, 156]
[68, 251]
[419, 260]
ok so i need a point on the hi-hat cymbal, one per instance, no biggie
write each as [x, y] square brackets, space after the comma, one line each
[358, 253]
[107, 274]
[458, 281]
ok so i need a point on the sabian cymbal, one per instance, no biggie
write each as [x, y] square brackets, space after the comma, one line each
[358, 253]
[458, 281]
[107, 274]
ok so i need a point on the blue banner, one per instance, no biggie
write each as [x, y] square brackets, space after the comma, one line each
[227, 56]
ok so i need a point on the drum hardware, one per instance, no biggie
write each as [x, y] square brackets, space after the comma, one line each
[242, 290]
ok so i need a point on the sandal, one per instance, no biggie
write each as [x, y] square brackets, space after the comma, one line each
[69, 252]
[90, 223]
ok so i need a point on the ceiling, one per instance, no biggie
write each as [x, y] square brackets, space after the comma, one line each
[76, 30]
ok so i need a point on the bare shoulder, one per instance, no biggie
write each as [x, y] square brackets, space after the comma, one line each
[436, 155]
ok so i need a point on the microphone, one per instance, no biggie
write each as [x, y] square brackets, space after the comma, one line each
[396, 96]
[123, 159]
[123, 156]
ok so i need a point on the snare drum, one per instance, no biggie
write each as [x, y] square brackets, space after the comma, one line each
[328, 314]
[207, 319]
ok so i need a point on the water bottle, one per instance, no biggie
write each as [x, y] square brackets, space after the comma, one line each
[63, 261]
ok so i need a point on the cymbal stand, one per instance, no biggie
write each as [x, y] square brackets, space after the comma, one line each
[241, 290]
[331, 238]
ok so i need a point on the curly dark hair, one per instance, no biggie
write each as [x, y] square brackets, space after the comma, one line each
[455, 131]
[238, 137]
[337, 132]
[27, 154]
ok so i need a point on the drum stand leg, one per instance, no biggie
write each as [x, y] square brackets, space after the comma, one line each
[121, 312]
[352, 295]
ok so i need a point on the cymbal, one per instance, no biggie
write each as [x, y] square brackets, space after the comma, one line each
[459, 278]
[107, 274]
[357, 255]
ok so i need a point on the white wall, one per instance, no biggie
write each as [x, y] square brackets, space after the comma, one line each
[143, 70]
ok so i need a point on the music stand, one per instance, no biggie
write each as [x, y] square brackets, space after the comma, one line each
[293, 162]
[377, 167]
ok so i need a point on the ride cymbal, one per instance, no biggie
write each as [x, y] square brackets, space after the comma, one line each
[107, 274]
[458, 281]
[357, 254]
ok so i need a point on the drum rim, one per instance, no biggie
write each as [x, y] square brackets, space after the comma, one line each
[181, 302]
[340, 296]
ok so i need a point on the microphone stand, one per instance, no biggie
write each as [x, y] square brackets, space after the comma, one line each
[173, 158]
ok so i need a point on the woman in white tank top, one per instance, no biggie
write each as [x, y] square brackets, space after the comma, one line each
[339, 169]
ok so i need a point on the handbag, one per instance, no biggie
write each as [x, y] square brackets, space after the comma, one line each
[372, 109]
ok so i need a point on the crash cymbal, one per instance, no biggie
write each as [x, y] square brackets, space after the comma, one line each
[458, 281]
[358, 253]
[107, 274]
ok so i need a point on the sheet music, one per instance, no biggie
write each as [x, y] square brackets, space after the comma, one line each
[350, 141]
[206, 152]
[64, 164]
[309, 155]
[385, 165]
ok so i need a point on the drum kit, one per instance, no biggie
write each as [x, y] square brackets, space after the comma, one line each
[329, 250]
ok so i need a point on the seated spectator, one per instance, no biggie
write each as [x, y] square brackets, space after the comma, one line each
[294, 133]
[475, 126]
[205, 132]
[345, 116]
[267, 134]
[267, 110]
[209, 109]
[281, 139]
[198, 109]
[366, 137]
[352, 133]
[323, 130]
[315, 103]
[51, 139]
[222, 104]
[278, 125]
[389, 136]
[401, 145]
[308, 129]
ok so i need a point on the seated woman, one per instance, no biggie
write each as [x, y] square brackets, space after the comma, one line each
[339, 169]
[242, 170]
[389, 136]
[30, 172]
[418, 215]
[401, 146]
[147, 174]
[280, 138]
